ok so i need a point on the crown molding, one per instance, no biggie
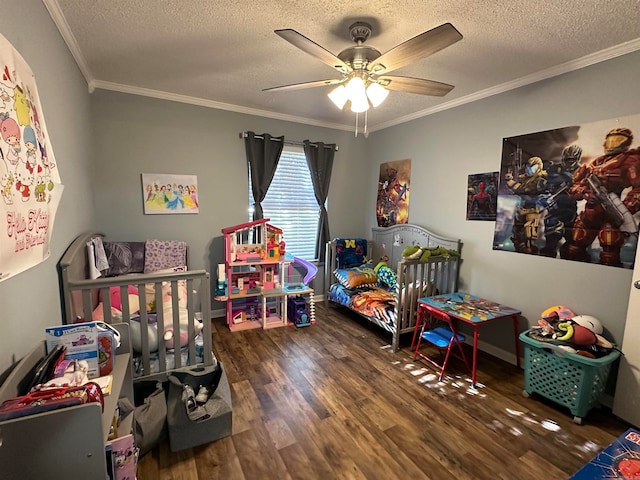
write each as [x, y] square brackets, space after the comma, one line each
[567, 67]
[147, 92]
[63, 27]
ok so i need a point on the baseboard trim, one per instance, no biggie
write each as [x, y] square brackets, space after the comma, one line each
[495, 351]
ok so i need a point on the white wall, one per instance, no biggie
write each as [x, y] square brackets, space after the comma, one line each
[447, 147]
[30, 300]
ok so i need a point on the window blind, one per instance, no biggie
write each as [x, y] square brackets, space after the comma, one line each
[291, 205]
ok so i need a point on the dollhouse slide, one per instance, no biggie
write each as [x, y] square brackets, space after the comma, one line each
[312, 270]
[311, 273]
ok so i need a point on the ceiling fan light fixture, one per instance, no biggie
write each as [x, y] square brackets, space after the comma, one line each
[360, 105]
[357, 94]
[355, 88]
[339, 96]
[376, 94]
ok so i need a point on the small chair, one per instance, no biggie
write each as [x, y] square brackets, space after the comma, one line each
[439, 331]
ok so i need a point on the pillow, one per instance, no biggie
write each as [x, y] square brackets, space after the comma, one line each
[161, 254]
[350, 252]
[124, 257]
[116, 298]
[356, 277]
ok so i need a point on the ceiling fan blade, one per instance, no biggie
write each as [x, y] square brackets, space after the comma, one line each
[313, 49]
[420, 86]
[420, 46]
[297, 86]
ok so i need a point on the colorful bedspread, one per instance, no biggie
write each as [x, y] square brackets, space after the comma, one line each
[372, 302]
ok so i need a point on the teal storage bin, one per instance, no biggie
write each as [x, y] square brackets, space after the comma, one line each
[566, 378]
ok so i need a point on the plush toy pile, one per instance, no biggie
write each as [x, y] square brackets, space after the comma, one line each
[581, 334]
[416, 252]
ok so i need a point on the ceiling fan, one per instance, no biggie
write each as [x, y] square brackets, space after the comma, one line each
[363, 70]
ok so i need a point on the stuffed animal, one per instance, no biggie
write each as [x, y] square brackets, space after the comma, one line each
[183, 313]
[414, 252]
[386, 276]
[136, 337]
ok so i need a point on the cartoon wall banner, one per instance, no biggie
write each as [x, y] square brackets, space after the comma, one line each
[572, 193]
[29, 178]
[392, 204]
[482, 196]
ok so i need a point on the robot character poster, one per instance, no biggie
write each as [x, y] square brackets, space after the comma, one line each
[392, 204]
[572, 193]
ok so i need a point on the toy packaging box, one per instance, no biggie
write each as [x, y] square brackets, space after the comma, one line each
[81, 340]
[621, 459]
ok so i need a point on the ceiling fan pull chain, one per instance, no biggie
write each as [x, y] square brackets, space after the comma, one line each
[356, 124]
[366, 121]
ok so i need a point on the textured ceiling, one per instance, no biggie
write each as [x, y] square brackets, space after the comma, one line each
[222, 54]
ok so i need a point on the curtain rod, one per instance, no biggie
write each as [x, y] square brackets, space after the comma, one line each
[286, 142]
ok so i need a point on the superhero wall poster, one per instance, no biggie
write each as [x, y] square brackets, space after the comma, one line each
[29, 180]
[392, 204]
[482, 193]
[572, 193]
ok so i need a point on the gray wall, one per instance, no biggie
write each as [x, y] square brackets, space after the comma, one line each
[447, 147]
[136, 134]
[30, 301]
[132, 135]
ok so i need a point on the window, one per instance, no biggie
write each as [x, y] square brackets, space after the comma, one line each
[291, 205]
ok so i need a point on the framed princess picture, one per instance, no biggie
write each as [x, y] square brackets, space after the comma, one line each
[169, 194]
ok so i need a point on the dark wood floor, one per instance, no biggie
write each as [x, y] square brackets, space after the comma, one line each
[331, 401]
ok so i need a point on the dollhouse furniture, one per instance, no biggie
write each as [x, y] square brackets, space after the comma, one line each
[69, 442]
[176, 298]
[257, 271]
[349, 280]
[469, 309]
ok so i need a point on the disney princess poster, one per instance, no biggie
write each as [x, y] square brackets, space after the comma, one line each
[169, 193]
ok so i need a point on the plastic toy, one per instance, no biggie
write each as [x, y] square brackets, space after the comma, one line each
[221, 285]
[564, 313]
[75, 373]
[259, 287]
[312, 270]
[587, 321]
[298, 312]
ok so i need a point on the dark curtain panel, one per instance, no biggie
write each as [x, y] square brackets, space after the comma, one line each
[262, 157]
[320, 162]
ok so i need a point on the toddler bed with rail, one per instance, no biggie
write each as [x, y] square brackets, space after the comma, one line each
[147, 285]
[386, 294]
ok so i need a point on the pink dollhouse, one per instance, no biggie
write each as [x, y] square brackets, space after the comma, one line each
[255, 271]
